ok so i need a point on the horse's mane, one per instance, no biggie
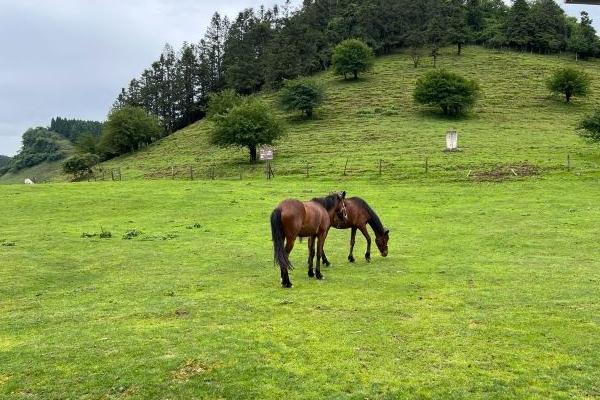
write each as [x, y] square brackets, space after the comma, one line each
[327, 202]
[374, 220]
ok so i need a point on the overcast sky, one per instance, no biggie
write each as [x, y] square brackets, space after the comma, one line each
[70, 58]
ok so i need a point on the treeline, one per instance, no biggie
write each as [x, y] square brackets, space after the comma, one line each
[73, 129]
[264, 47]
[52, 143]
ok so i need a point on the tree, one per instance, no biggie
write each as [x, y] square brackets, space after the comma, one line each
[249, 124]
[352, 56]
[302, 95]
[127, 129]
[80, 165]
[583, 41]
[518, 28]
[456, 15]
[449, 91]
[570, 82]
[589, 128]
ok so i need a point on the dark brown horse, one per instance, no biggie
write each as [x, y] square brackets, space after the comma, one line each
[311, 219]
[359, 214]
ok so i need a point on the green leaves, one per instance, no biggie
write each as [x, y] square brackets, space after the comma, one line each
[301, 95]
[589, 128]
[127, 129]
[352, 56]
[570, 82]
[249, 124]
[449, 91]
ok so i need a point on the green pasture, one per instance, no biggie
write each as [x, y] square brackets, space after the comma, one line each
[515, 123]
[490, 290]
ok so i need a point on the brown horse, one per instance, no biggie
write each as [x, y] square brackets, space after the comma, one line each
[312, 219]
[359, 214]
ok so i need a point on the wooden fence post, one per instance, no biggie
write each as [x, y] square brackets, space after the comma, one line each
[346, 166]
[426, 165]
[380, 166]
[307, 168]
[568, 162]
[191, 173]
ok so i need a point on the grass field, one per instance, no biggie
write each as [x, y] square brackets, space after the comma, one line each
[516, 122]
[490, 291]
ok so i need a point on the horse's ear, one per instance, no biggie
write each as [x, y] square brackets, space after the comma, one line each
[387, 233]
[344, 194]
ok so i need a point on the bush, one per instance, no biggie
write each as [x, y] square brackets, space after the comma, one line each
[80, 165]
[570, 82]
[352, 56]
[302, 95]
[249, 124]
[449, 91]
[589, 128]
[127, 129]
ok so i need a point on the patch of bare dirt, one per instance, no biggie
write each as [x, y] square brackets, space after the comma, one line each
[504, 172]
[190, 369]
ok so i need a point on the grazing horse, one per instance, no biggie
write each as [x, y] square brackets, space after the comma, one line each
[359, 214]
[312, 219]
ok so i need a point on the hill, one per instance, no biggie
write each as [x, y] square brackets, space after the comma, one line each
[515, 123]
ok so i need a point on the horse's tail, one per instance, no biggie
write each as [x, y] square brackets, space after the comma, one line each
[279, 253]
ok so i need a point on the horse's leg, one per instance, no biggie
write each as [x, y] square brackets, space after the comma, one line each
[285, 276]
[320, 245]
[325, 260]
[352, 242]
[311, 256]
[365, 232]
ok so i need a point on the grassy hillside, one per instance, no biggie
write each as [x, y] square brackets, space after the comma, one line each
[504, 306]
[44, 172]
[516, 122]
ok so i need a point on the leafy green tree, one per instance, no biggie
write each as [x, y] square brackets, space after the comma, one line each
[570, 82]
[549, 26]
[518, 27]
[4, 164]
[249, 124]
[127, 129]
[80, 165]
[589, 128]
[456, 15]
[449, 91]
[219, 104]
[583, 40]
[352, 56]
[302, 95]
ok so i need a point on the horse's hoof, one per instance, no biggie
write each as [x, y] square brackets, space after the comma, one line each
[320, 277]
[327, 264]
[287, 285]
[311, 274]
[351, 259]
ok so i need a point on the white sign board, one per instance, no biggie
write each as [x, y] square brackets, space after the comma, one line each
[451, 141]
[266, 153]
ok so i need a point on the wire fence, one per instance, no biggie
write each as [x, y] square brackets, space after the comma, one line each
[380, 168]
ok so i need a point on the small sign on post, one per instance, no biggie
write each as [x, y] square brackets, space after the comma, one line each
[452, 141]
[266, 153]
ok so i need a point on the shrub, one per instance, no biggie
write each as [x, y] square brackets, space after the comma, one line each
[352, 56]
[570, 82]
[449, 91]
[302, 95]
[589, 128]
[80, 165]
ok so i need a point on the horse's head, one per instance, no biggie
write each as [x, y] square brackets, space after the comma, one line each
[341, 211]
[382, 242]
